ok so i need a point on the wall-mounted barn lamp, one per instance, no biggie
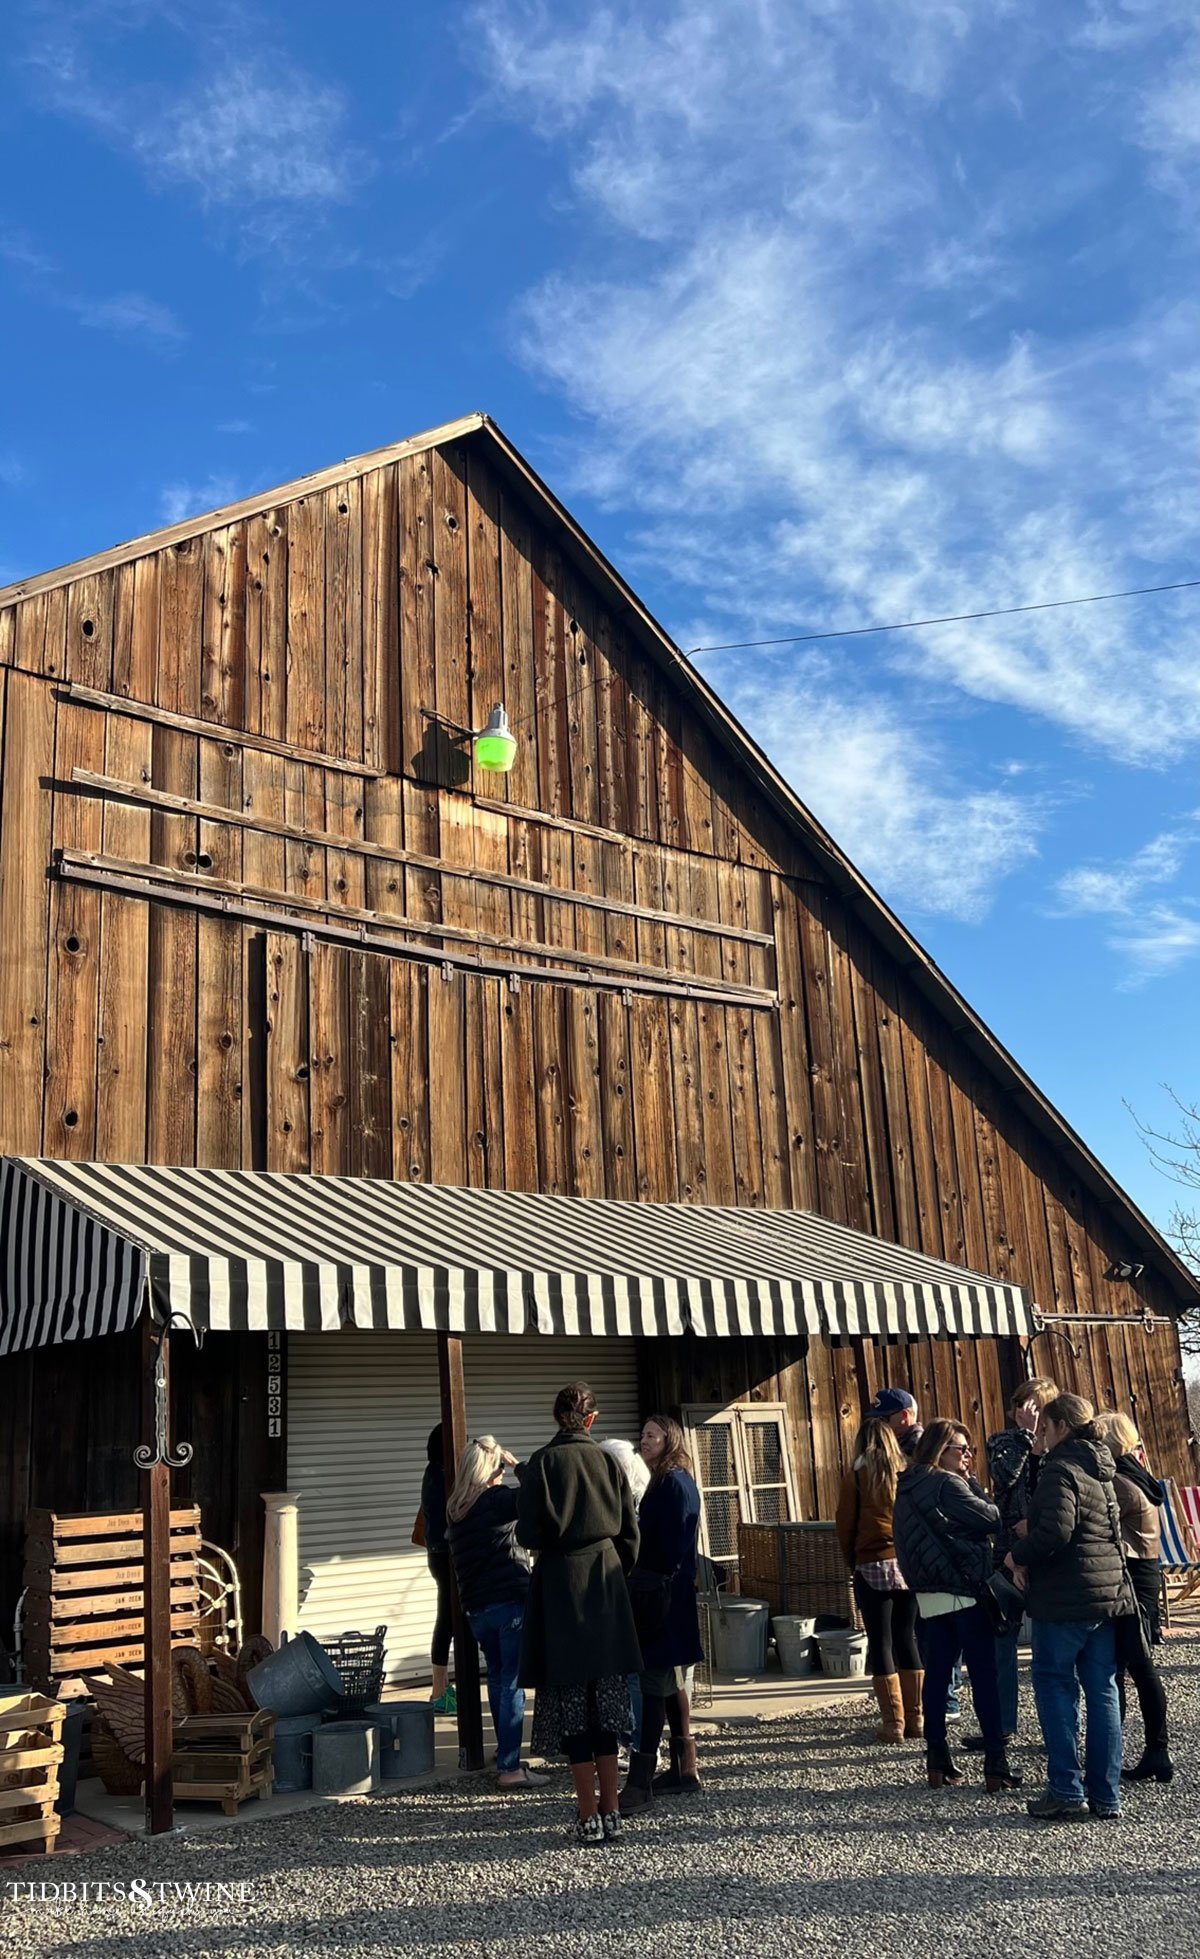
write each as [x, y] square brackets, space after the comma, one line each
[495, 746]
[1124, 1270]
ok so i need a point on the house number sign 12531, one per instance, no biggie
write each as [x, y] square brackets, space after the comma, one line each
[274, 1384]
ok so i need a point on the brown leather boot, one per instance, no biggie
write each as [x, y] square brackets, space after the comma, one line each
[639, 1784]
[891, 1706]
[911, 1685]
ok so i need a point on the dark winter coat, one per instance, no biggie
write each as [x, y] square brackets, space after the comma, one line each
[943, 1532]
[491, 1568]
[1073, 1548]
[576, 1511]
[1012, 1472]
[668, 1521]
[433, 1503]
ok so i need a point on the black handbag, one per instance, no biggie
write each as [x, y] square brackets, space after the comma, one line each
[650, 1597]
[1002, 1601]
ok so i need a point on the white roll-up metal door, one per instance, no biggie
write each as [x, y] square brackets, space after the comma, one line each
[360, 1408]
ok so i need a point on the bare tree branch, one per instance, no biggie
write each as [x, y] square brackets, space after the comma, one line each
[1175, 1153]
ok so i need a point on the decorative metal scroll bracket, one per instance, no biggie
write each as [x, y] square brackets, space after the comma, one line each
[144, 1456]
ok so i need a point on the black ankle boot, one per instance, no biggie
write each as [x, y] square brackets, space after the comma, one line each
[940, 1766]
[1155, 1762]
[998, 1772]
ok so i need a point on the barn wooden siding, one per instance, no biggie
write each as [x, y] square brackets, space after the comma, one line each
[243, 716]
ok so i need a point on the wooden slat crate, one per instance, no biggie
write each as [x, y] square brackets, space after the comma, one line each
[224, 1758]
[84, 1591]
[796, 1568]
[31, 1752]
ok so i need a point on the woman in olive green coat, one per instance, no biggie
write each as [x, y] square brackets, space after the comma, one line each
[579, 1644]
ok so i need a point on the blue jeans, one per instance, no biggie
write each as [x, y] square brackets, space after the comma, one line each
[1083, 1654]
[949, 1637]
[498, 1630]
[1006, 1673]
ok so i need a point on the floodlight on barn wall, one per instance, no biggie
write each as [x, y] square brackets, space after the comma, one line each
[495, 745]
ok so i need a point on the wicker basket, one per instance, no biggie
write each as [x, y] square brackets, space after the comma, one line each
[120, 1775]
[797, 1568]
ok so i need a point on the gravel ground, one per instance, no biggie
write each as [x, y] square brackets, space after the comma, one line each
[809, 1838]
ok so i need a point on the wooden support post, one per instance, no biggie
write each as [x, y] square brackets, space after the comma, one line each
[156, 1552]
[466, 1653]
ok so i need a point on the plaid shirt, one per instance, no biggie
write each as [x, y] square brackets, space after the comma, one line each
[882, 1576]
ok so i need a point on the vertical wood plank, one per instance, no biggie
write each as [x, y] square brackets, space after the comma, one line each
[370, 1066]
[25, 817]
[329, 1030]
[418, 625]
[516, 585]
[89, 634]
[383, 677]
[121, 1083]
[485, 613]
[288, 1052]
[448, 473]
[446, 1077]
[343, 620]
[654, 1131]
[409, 989]
[73, 994]
[223, 645]
[306, 701]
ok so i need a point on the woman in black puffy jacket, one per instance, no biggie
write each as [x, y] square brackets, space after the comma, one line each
[943, 1533]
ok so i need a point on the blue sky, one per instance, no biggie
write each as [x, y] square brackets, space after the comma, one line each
[816, 313]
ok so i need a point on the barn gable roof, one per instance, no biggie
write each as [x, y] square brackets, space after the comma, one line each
[871, 910]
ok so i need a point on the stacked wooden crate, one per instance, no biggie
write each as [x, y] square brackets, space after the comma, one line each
[224, 1758]
[85, 1592]
[31, 1751]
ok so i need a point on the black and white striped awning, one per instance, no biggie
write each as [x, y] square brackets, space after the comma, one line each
[83, 1246]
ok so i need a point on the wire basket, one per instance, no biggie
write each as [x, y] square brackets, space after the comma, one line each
[358, 1658]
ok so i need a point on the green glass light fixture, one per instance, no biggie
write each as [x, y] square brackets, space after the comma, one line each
[495, 745]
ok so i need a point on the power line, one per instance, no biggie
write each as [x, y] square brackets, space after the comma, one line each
[945, 619]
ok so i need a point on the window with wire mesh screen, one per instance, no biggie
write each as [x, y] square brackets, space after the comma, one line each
[743, 1466]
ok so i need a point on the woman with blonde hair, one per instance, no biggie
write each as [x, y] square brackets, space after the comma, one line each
[1139, 1500]
[492, 1574]
[662, 1587]
[1073, 1568]
[885, 1603]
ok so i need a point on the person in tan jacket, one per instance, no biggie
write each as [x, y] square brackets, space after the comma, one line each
[1139, 1500]
[887, 1607]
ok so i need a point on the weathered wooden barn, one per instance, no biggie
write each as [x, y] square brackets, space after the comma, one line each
[260, 913]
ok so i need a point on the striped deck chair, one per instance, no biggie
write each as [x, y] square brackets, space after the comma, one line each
[1179, 1551]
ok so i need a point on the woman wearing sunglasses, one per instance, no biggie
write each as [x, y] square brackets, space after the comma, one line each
[943, 1532]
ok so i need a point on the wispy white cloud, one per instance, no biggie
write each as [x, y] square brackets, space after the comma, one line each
[129, 315]
[1117, 887]
[888, 791]
[1157, 943]
[180, 500]
[1153, 933]
[251, 136]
